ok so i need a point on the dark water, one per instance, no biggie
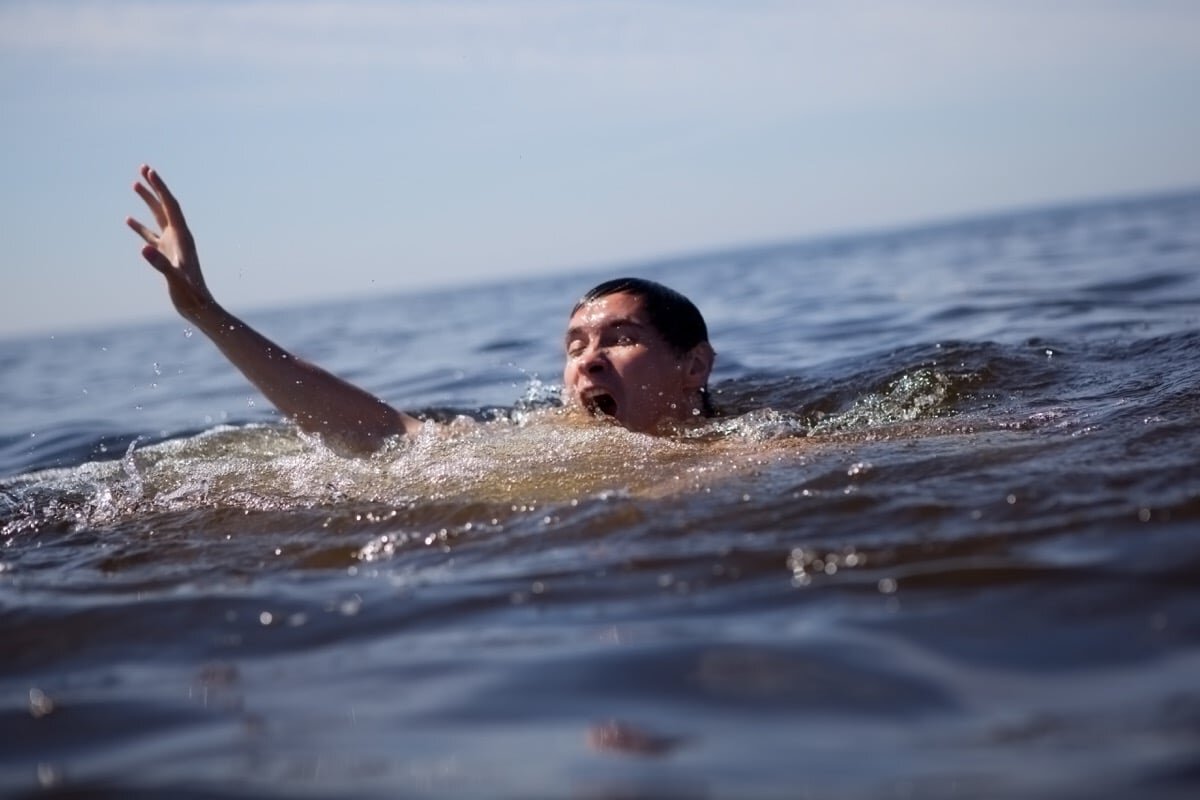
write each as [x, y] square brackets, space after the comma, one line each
[945, 542]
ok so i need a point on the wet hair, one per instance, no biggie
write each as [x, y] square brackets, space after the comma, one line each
[675, 317]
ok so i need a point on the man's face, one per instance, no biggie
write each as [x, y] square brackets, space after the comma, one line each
[618, 365]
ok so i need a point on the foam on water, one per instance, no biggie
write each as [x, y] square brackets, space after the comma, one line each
[524, 458]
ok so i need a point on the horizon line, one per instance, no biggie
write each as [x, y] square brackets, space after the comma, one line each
[673, 257]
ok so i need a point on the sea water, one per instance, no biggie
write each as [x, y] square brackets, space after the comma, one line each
[943, 540]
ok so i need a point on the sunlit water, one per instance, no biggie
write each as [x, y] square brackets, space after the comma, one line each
[944, 540]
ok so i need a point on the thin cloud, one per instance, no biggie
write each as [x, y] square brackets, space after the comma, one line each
[832, 53]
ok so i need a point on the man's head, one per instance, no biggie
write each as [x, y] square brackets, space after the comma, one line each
[638, 352]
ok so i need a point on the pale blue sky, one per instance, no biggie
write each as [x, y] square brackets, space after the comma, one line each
[340, 148]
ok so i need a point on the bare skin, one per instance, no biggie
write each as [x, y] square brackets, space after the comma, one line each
[345, 416]
[618, 365]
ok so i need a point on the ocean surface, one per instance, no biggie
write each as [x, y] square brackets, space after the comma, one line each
[944, 540]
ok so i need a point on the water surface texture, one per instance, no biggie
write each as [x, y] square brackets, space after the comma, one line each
[943, 542]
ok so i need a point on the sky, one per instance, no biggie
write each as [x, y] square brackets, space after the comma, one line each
[340, 149]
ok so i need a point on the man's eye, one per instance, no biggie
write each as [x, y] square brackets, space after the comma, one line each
[626, 339]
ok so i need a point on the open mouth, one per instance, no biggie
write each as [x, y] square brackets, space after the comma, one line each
[600, 403]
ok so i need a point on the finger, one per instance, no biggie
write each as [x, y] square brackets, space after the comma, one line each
[141, 230]
[170, 204]
[152, 201]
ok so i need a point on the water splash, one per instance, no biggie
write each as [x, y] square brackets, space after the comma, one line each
[544, 456]
[921, 394]
[533, 454]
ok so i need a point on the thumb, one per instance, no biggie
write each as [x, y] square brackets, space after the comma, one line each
[157, 260]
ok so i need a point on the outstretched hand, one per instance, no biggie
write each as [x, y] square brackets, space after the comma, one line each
[171, 249]
[319, 402]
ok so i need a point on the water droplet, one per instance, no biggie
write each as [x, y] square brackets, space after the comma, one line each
[265, 618]
[39, 704]
[157, 369]
[48, 776]
[187, 333]
[887, 586]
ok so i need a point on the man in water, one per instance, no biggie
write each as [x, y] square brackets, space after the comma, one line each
[637, 352]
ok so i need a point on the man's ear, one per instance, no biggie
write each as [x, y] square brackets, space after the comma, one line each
[697, 365]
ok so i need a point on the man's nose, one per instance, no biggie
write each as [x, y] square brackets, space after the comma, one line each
[593, 360]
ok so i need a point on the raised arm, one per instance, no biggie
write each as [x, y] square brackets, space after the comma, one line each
[343, 414]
